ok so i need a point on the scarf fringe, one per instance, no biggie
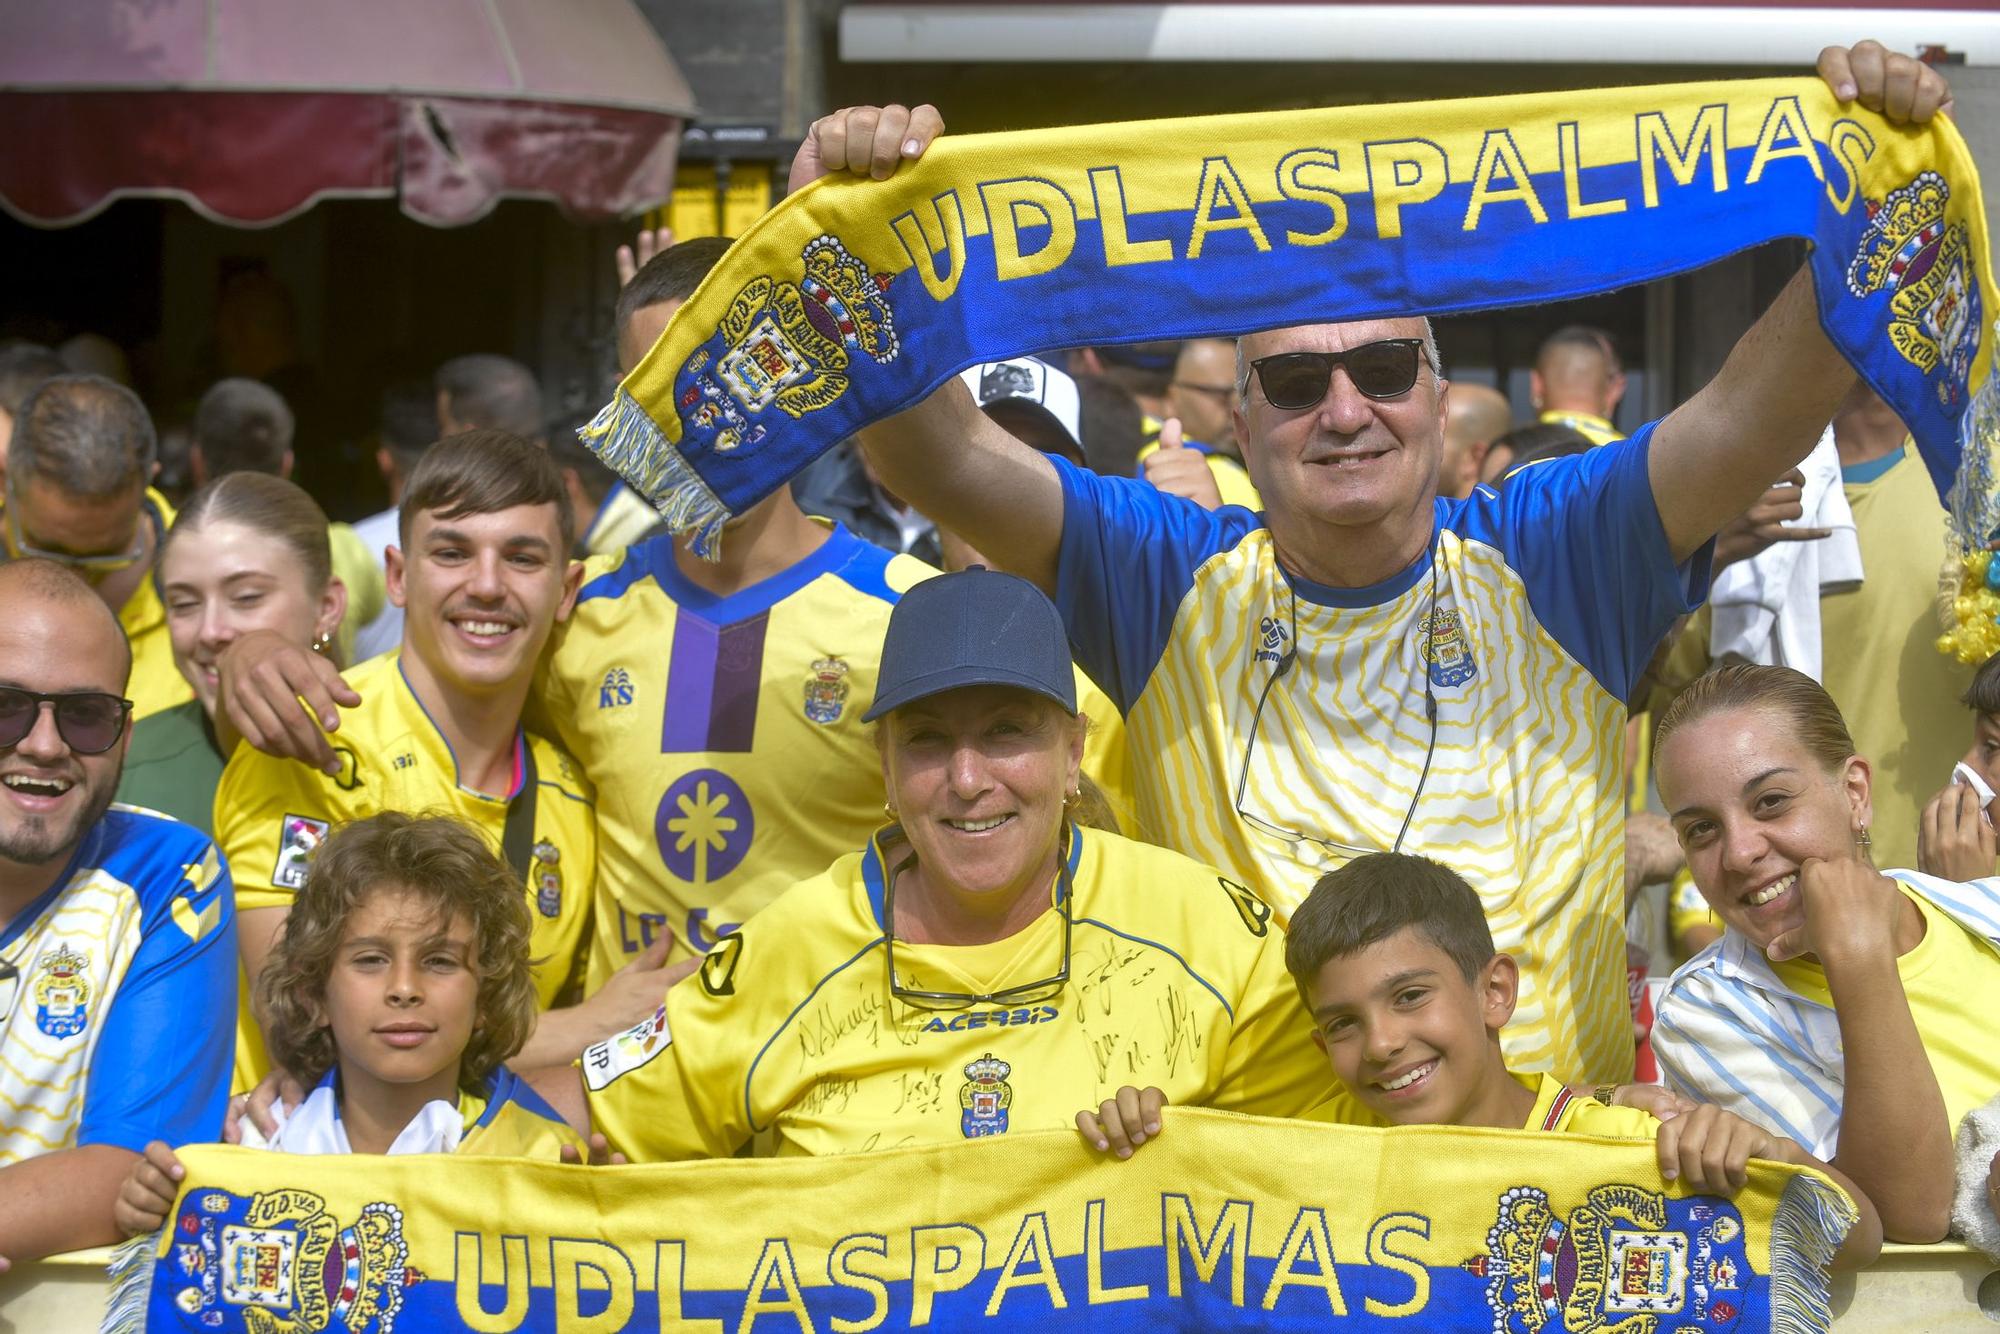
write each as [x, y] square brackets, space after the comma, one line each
[1812, 1219]
[131, 1271]
[633, 446]
[1974, 503]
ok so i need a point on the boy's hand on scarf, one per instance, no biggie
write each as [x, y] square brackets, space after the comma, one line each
[1709, 1150]
[147, 1194]
[1901, 87]
[868, 141]
[601, 1154]
[1123, 1121]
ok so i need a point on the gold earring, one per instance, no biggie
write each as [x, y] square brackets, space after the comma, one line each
[1073, 798]
[1862, 841]
[889, 809]
[320, 642]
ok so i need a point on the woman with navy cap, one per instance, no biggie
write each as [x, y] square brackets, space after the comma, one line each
[986, 965]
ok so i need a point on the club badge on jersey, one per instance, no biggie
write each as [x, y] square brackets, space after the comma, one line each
[62, 992]
[826, 690]
[545, 873]
[984, 1100]
[1446, 649]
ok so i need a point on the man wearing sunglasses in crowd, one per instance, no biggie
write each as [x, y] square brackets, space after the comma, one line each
[1364, 667]
[117, 932]
[77, 493]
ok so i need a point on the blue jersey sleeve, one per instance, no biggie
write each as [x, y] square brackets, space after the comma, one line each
[163, 1062]
[1585, 536]
[1129, 555]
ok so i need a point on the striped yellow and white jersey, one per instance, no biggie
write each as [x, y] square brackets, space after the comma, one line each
[117, 1020]
[1526, 622]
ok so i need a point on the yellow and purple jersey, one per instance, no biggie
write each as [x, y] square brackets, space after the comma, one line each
[723, 734]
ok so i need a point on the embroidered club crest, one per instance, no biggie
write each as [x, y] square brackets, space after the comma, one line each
[826, 690]
[1925, 264]
[62, 992]
[277, 1262]
[1616, 1264]
[984, 1099]
[545, 875]
[790, 344]
[1447, 652]
[298, 839]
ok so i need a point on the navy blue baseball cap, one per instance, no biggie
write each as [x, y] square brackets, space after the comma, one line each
[977, 627]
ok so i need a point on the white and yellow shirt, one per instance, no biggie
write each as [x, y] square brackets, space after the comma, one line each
[724, 734]
[116, 1028]
[1527, 620]
[1176, 979]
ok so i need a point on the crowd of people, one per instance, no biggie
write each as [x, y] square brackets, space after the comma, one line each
[1268, 724]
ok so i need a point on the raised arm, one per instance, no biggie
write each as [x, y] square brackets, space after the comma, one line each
[944, 456]
[1714, 455]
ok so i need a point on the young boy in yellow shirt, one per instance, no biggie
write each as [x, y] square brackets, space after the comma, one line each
[1394, 960]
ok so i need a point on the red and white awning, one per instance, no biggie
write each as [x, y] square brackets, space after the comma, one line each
[253, 110]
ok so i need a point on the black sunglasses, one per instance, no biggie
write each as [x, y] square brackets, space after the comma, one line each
[1385, 369]
[88, 721]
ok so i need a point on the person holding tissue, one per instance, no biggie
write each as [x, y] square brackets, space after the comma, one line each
[1955, 837]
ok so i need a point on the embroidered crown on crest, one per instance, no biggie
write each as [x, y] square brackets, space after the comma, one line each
[988, 1069]
[1902, 227]
[845, 302]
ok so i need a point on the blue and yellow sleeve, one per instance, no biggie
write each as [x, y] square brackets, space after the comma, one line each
[1128, 558]
[1585, 536]
[178, 996]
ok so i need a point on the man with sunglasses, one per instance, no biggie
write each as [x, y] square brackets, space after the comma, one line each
[1364, 667]
[117, 932]
[77, 493]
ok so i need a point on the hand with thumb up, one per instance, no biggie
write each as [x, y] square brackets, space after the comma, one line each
[1180, 471]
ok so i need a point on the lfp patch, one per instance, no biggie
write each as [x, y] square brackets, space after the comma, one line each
[298, 839]
[627, 1051]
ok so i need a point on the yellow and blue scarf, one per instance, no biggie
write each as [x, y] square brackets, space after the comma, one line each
[855, 298]
[1224, 1223]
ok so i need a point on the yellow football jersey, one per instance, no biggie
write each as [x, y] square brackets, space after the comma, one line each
[271, 813]
[724, 734]
[1176, 979]
[1586, 424]
[1558, 1109]
[156, 683]
[1469, 708]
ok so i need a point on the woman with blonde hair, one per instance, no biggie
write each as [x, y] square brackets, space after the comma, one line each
[247, 552]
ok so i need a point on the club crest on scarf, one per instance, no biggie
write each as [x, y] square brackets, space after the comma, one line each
[1625, 1261]
[1925, 265]
[277, 1262]
[789, 344]
[62, 992]
[985, 1098]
